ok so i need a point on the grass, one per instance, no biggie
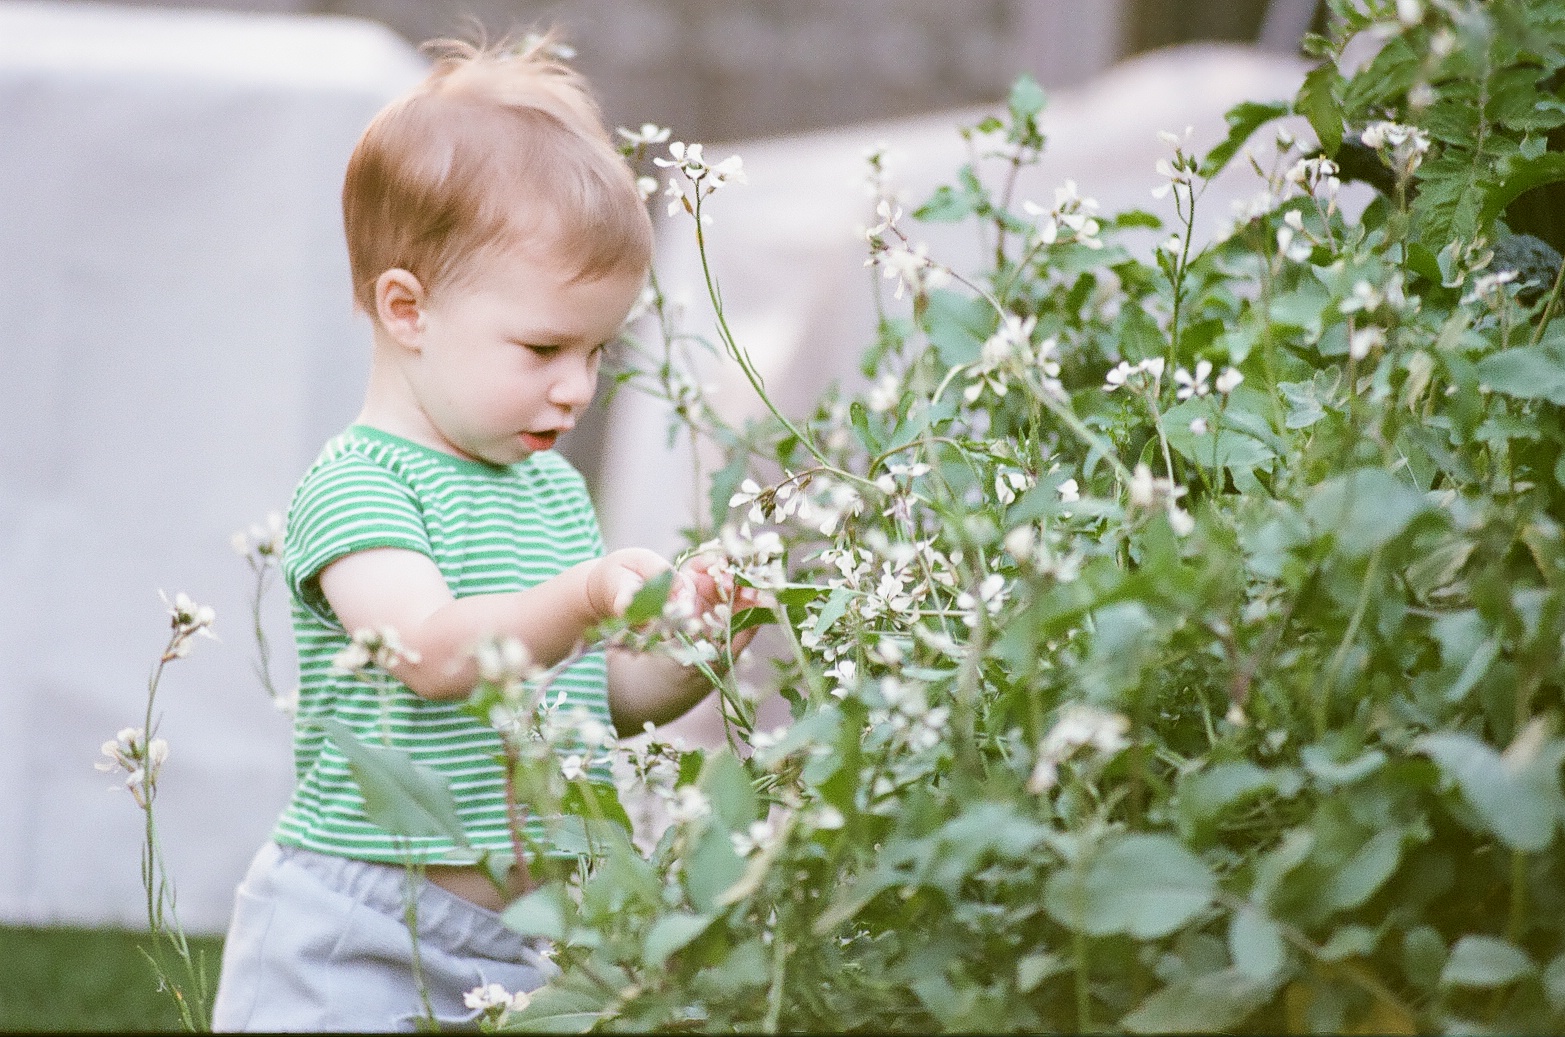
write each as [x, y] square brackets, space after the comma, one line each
[63, 979]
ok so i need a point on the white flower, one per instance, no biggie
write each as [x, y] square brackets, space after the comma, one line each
[1070, 491]
[261, 544]
[991, 597]
[1196, 384]
[910, 267]
[1079, 726]
[1296, 251]
[1010, 483]
[703, 176]
[505, 661]
[1182, 521]
[1198, 427]
[1410, 12]
[757, 837]
[287, 704]
[573, 767]
[1228, 381]
[690, 804]
[378, 647]
[1363, 341]
[1071, 212]
[129, 751]
[186, 619]
[1317, 177]
[650, 133]
[1148, 491]
[495, 1002]
[826, 817]
[1123, 373]
[646, 186]
[1490, 288]
[1403, 147]
[885, 394]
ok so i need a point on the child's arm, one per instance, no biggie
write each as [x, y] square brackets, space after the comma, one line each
[391, 587]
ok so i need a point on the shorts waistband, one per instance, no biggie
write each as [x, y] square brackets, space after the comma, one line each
[445, 920]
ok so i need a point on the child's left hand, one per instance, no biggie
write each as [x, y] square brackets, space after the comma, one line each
[705, 581]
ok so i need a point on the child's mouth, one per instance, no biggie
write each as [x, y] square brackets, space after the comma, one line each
[540, 440]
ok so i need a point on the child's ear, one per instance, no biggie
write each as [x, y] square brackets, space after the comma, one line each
[399, 306]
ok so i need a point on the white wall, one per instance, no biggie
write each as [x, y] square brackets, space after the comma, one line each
[176, 342]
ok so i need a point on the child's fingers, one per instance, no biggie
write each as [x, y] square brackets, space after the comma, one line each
[628, 584]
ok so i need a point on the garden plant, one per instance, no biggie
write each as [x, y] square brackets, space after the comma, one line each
[1173, 634]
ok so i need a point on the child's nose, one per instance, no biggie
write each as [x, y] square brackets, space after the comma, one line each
[575, 387]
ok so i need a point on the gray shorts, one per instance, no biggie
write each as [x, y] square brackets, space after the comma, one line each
[319, 943]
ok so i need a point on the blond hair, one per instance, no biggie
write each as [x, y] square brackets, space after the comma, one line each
[497, 146]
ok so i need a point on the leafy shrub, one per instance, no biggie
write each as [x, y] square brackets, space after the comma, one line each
[1175, 639]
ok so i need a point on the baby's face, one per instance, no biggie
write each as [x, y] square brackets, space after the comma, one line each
[510, 352]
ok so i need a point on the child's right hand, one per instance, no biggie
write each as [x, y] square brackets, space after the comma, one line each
[616, 577]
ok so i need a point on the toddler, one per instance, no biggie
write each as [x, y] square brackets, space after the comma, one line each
[497, 243]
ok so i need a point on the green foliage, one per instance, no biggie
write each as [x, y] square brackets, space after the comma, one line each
[399, 795]
[1175, 634]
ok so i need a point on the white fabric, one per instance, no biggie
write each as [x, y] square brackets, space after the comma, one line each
[178, 342]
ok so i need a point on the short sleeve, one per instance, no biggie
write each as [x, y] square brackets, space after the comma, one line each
[345, 505]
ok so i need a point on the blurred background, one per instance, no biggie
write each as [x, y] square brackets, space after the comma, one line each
[178, 339]
[740, 69]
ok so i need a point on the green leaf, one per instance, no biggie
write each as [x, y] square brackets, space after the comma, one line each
[946, 205]
[1027, 99]
[1205, 794]
[670, 933]
[1527, 373]
[1363, 509]
[833, 609]
[1208, 1003]
[1554, 983]
[1516, 177]
[1222, 445]
[957, 326]
[1350, 941]
[1517, 799]
[1255, 943]
[558, 1008]
[1317, 102]
[597, 800]
[858, 414]
[711, 868]
[1323, 766]
[400, 796]
[727, 785]
[1144, 885]
[649, 600]
[542, 912]
[1243, 120]
[1366, 871]
[1035, 968]
[1485, 962]
[1307, 401]
[1423, 956]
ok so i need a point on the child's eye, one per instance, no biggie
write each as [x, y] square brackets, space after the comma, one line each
[542, 352]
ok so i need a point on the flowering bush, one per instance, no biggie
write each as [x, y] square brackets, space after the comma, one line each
[1175, 641]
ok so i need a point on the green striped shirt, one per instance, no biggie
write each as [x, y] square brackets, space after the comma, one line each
[489, 529]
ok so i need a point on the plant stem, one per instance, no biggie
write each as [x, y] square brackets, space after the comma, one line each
[1517, 923]
[774, 993]
[1339, 658]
